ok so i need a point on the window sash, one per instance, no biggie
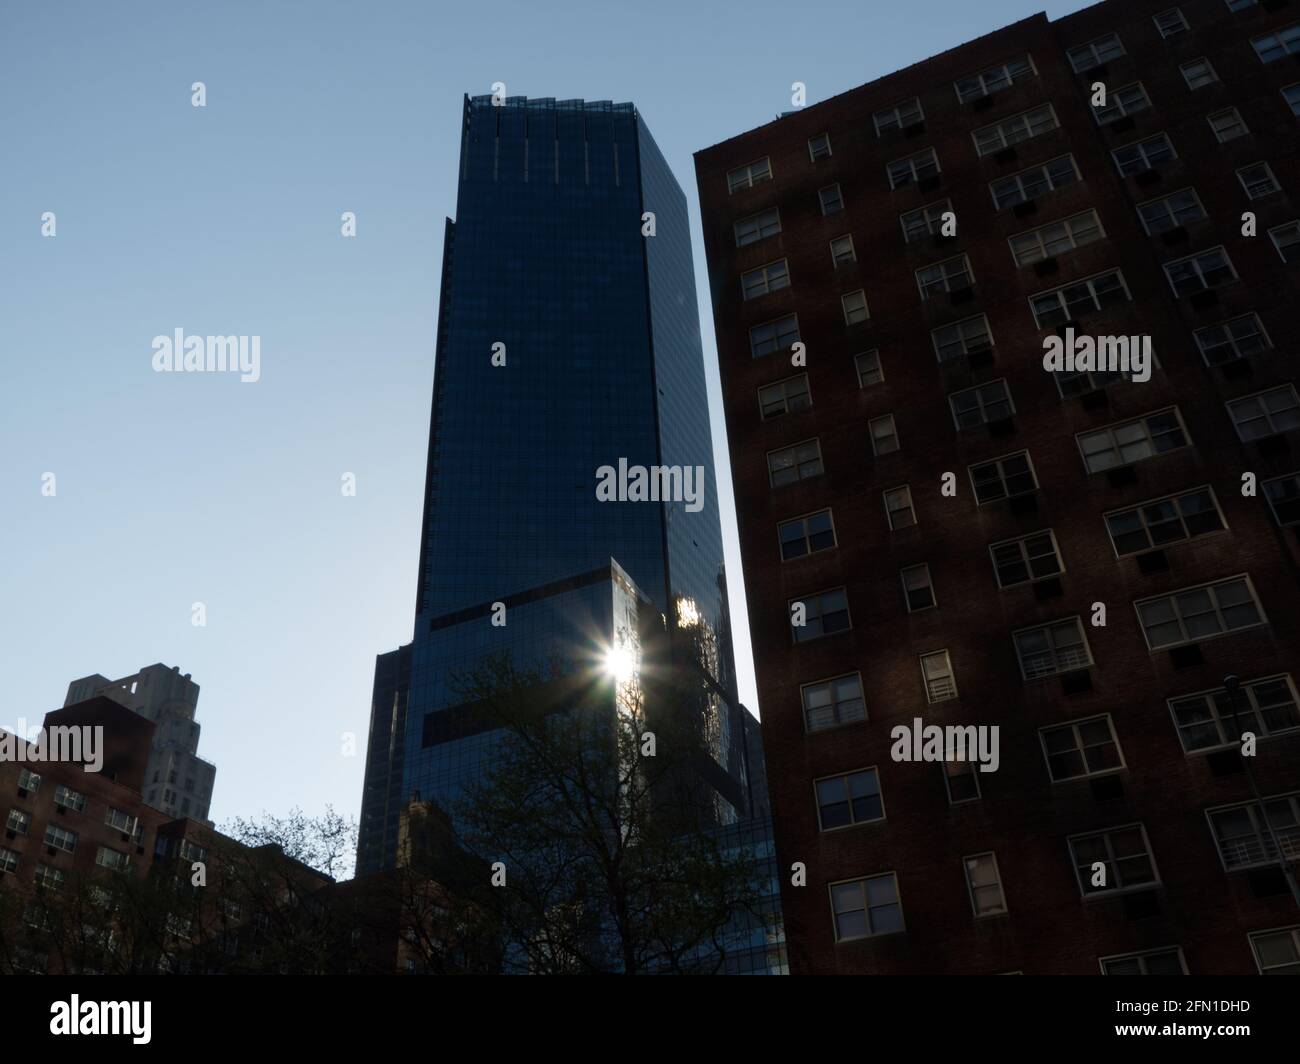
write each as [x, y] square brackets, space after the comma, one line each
[1192, 614]
[1014, 130]
[1206, 720]
[1051, 649]
[1079, 750]
[749, 175]
[1103, 49]
[1026, 559]
[962, 338]
[1048, 241]
[915, 167]
[1032, 183]
[830, 703]
[757, 227]
[1005, 476]
[1147, 154]
[1242, 835]
[994, 79]
[907, 113]
[1130, 442]
[924, 221]
[799, 461]
[773, 336]
[1164, 520]
[1265, 413]
[1128, 100]
[1126, 853]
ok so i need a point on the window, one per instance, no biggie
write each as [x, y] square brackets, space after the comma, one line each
[773, 336]
[1132, 441]
[1292, 96]
[1277, 952]
[1124, 855]
[1198, 73]
[903, 115]
[819, 147]
[1094, 53]
[1003, 478]
[1283, 495]
[8, 860]
[918, 167]
[1273, 46]
[947, 276]
[1167, 961]
[1049, 241]
[748, 176]
[1122, 102]
[1070, 383]
[1233, 339]
[833, 702]
[124, 822]
[995, 79]
[869, 371]
[1258, 181]
[765, 279]
[68, 798]
[918, 589]
[866, 907]
[984, 884]
[112, 859]
[1240, 5]
[831, 199]
[1265, 413]
[806, 535]
[49, 877]
[1173, 519]
[28, 781]
[1171, 23]
[757, 227]
[884, 435]
[1143, 155]
[977, 406]
[19, 821]
[826, 613]
[1026, 559]
[1081, 749]
[898, 508]
[960, 780]
[1051, 649]
[1034, 182]
[853, 798]
[1227, 125]
[1009, 131]
[924, 221]
[855, 307]
[1243, 837]
[798, 462]
[1207, 720]
[1062, 304]
[1286, 238]
[1169, 212]
[940, 680]
[60, 838]
[784, 396]
[1200, 272]
[962, 338]
[842, 252]
[1198, 613]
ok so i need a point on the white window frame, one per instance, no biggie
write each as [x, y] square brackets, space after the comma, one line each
[1002, 478]
[1003, 908]
[1274, 235]
[913, 175]
[1085, 224]
[1026, 559]
[1198, 62]
[772, 277]
[1085, 892]
[947, 672]
[1233, 342]
[981, 405]
[838, 260]
[1294, 479]
[1263, 413]
[911, 507]
[1081, 749]
[812, 149]
[806, 539]
[923, 568]
[1049, 629]
[1015, 129]
[1238, 121]
[821, 461]
[861, 882]
[932, 218]
[946, 279]
[1140, 146]
[1042, 172]
[1286, 41]
[1171, 214]
[1116, 448]
[1116, 106]
[964, 340]
[1174, 28]
[1252, 715]
[784, 385]
[1175, 498]
[1095, 53]
[1083, 282]
[1141, 955]
[879, 367]
[848, 312]
[1288, 836]
[894, 116]
[837, 722]
[1273, 932]
[1251, 188]
[756, 173]
[776, 335]
[1211, 587]
[877, 438]
[998, 78]
[846, 776]
[839, 199]
[807, 602]
[1195, 262]
[761, 230]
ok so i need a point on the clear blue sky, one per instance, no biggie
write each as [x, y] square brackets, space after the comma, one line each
[180, 488]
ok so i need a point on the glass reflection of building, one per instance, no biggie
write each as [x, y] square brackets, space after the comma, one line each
[546, 269]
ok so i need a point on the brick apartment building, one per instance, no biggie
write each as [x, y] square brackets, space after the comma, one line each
[924, 357]
[95, 880]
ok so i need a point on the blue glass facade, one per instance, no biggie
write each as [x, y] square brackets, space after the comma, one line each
[546, 270]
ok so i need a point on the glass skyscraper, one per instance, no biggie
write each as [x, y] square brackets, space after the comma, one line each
[568, 340]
